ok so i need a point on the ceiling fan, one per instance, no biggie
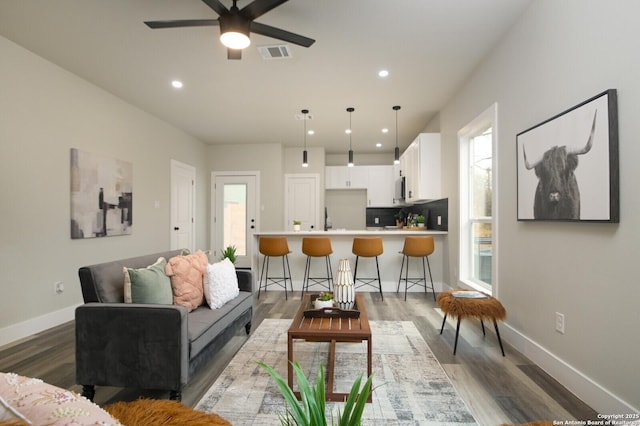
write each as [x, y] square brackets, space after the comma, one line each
[236, 24]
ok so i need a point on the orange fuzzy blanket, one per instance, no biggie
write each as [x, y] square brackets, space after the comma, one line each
[151, 412]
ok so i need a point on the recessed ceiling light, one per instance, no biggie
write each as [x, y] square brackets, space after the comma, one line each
[348, 131]
[378, 145]
[177, 84]
[385, 130]
[383, 73]
[311, 132]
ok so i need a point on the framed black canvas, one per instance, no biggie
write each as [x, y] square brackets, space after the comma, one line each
[567, 166]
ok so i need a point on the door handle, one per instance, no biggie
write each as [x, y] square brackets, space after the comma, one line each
[175, 228]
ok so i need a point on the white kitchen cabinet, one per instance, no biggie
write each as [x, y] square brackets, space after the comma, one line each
[381, 186]
[420, 164]
[343, 177]
[379, 181]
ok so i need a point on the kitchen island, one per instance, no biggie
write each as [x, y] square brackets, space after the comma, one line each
[341, 241]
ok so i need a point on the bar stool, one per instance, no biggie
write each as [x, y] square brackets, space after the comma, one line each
[367, 247]
[317, 247]
[275, 247]
[416, 246]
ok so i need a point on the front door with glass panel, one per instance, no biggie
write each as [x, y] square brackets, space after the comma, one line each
[235, 217]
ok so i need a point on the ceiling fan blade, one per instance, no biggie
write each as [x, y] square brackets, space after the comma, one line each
[218, 7]
[177, 23]
[234, 53]
[273, 32]
[259, 7]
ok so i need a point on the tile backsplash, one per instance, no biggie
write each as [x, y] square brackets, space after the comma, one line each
[431, 210]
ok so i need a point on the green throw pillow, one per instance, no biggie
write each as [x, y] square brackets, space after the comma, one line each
[150, 284]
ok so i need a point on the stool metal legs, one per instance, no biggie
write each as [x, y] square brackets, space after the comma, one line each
[275, 280]
[319, 280]
[368, 281]
[455, 345]
[415, 281]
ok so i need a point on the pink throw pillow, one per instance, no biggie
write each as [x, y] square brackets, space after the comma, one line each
[186, 274]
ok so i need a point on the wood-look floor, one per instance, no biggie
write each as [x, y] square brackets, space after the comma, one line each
[496, 389]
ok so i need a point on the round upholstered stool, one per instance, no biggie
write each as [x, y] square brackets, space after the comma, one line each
[419, 247]
[471, 304]
[317, 247]
[367, 247]
[274, 247]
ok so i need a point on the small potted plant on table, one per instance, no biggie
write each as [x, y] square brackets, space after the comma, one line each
[420, 220]
[324, 300]
[296, 225]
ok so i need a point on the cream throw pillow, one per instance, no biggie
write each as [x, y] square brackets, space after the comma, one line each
[220, 283]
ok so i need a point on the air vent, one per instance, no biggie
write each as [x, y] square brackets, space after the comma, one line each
[276, 51]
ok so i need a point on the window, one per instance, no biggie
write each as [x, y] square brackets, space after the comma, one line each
[477, 198]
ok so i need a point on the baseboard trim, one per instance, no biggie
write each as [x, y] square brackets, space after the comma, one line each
[595, 395]
[22, 330]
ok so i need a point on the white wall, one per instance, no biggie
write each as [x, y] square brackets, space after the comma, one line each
[559, 54]
[44, 112]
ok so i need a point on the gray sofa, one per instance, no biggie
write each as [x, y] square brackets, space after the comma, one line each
[148, 346]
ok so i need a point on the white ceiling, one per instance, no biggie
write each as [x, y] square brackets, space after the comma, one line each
[429, 47]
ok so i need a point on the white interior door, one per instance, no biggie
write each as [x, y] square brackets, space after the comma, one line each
[183, 201]
[235, 216]
[302, 193]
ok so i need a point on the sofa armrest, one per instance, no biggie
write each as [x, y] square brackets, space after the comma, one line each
[132, 345]
[245, 280]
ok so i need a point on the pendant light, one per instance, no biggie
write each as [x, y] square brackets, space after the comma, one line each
[350, 163]
[305, 163]
[396, 157]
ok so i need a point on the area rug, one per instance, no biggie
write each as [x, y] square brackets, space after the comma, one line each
[410, 386]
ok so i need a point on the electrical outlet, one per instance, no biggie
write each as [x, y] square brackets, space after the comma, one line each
[439, 220]
[560, 323]
[58, 287]
[376, 220]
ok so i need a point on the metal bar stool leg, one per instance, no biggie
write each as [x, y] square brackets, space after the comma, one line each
[305, 279]
[264, 261]
[379, 280]
[400, 277]
[355, 271]
[329, 272]
[289, 271]
[284, 277]
[406, 280]
[424, 276]
[433, 289]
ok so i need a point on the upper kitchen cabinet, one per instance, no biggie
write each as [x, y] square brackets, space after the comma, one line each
[420, 164]
[379, 181]
[381, 187]
[343, 177]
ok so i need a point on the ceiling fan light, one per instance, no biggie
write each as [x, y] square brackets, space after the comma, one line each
[235, 40]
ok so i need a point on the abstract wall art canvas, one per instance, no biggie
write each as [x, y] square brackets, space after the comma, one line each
[101, 195]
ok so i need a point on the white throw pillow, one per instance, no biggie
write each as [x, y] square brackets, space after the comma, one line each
[220, 283]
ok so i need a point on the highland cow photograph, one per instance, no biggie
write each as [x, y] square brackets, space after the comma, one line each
[567, 166]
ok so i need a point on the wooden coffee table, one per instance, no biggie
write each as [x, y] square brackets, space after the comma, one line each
[332, 330]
